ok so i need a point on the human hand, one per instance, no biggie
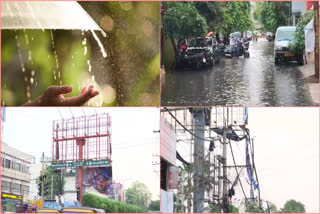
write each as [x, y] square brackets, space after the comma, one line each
[53, 96]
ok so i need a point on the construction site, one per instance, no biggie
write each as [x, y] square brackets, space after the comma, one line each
[199, 168]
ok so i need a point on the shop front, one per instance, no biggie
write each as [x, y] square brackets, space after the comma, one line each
[11, 203]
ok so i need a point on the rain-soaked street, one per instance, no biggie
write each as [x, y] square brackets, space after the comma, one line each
[254, 81]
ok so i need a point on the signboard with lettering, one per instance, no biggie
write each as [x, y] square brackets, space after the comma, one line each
[88, 163]
[168, 140]
[11, 196]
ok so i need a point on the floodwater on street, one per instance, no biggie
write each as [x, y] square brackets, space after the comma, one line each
[253, 81]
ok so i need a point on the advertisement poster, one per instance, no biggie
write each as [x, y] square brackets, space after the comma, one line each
[100, 178]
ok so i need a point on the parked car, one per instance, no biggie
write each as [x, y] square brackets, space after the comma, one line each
[283, 39]
[201, 51]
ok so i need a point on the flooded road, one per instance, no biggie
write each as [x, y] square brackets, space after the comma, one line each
[254, 81]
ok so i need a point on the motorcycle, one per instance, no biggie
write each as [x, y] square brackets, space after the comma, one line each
[238, 49]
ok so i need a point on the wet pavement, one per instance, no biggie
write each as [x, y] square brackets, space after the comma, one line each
[254, 81]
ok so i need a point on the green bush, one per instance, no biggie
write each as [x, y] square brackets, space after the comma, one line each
[298, 44]
[108, 205]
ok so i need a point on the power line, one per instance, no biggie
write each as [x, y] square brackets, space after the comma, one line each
[184, 126]
[238, 173]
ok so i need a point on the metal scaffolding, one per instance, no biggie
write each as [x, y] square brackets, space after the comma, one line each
[95, 130]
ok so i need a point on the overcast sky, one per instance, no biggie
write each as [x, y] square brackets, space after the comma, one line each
[286, 148]
[135, 147]
[287, 154]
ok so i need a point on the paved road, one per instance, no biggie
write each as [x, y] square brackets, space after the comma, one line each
[253, 81]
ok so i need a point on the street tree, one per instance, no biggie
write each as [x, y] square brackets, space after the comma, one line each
[55, 186]
[181, 20]
[298, 44]
[252, 207]
[138, 194]
[236, 17]
[272, 208]
[215, 208]
[272, 14]
[154, 205]
[211, 11]
[293, 206]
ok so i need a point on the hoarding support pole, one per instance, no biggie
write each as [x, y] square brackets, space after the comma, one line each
[80, 144]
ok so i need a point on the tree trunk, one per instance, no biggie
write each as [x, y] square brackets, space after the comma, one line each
[174, 46]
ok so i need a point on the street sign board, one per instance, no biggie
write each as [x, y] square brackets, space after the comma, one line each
[87, 163]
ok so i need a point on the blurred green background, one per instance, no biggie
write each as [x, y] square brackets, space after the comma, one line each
[129, 76]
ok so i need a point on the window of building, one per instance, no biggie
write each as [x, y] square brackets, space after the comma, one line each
[17, 188]
[28, 169]
[7, 164]
[18, 167]
[5, 186]
[2, 162]
[25, 189]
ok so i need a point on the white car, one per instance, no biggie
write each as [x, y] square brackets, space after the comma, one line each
[283, 39]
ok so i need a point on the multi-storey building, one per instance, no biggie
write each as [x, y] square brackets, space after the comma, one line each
[15, 178]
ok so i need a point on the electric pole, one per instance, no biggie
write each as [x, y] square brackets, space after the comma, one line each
[316, 30]
[51, 187]
[224, 156]
[198, 194]
[42, 180]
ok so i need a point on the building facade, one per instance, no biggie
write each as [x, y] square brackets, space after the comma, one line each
[298, 9]
[15, 178]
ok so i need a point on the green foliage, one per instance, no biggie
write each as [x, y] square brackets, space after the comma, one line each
[138, 194]
[55, 178]
[182, 20]
[273, 14]
[108, 205]
[272, 207]
[154, 205]
[211, 11]
[215, 208]
[298, 43]
[236, 17]
[293, 206]
[233, 209]
[252, 207]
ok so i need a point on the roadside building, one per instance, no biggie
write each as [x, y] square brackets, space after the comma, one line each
[298, 8]
[15, 179]
[169, 170]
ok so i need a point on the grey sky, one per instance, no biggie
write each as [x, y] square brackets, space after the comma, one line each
[134, 144]
[287, 154]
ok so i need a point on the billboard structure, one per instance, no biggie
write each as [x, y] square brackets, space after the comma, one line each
[82, 143]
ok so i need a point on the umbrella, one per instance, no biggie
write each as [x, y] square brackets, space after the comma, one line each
[46, 15]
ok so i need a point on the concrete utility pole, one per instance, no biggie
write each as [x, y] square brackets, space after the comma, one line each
[42, 180]
[198, 194]
[80, 143]
[224, 156]
[182, 192]
[51, 187]
[316, 29]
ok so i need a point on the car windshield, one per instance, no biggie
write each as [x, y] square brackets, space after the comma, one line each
[285, 35]
[201, 42]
